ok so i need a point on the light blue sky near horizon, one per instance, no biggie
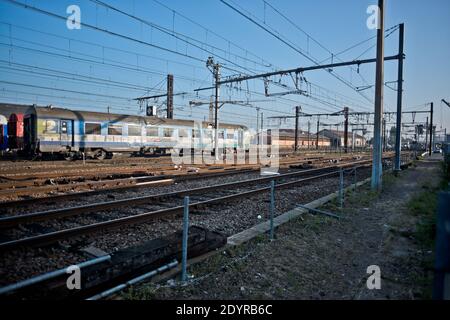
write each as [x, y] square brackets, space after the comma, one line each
[336, 24]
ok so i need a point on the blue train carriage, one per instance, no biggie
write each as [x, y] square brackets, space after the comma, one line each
[99, 135]
[3, 133]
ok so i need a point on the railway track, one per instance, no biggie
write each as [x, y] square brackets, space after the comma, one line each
[66, 169]
[209, 214]
[77, 183]
[162, 205]
[115, 185]
[18, 165]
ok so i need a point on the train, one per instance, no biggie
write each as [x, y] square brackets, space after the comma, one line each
[44, 130]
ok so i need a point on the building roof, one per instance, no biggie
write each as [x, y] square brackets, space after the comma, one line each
[337, 134]
[290, 133]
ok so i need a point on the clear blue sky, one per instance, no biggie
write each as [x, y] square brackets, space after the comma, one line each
[83, 69]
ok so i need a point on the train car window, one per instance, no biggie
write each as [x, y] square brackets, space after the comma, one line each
[208, 134]
[230, 136]
[221, 134]
[92, 129]
[134, 131]
[168, 132]
[152, 132]
[114, 130]
[64, 127]
[183, 133]
[50, 126]
[196, 133]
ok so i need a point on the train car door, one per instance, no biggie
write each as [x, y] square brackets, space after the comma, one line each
[240, 139]
[66, 133]
[29, 133]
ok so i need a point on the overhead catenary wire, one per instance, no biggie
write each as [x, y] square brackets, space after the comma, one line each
[209, 31]
[318, 99]
[172, 33]
[14, 1]
[89, 26]
[333, 55]
[286, 42]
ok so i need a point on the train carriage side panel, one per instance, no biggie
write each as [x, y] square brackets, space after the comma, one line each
[15, 131]
[151, 138]
[134, 134]
[3, 137]
[184, 138]
[125, 133]
[48, 135]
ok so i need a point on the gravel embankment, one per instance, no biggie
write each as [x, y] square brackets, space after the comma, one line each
[228, 218]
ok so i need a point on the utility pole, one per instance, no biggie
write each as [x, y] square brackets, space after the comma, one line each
[169, 96]
[262, 121]
[431, 129]
[346, 130]
[261, 130]
[353, 139]
[309, 133]
[426, 135]
[297, 113]
[377, 169]
[398, 134]
[211, 111]
[317, 135]
[216, 110]
[216, 73]
[257, 126]
[384, 135]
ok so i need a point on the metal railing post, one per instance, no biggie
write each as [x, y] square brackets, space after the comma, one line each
[441, 286]
[272, 207]
[341, 188]
[185, 239]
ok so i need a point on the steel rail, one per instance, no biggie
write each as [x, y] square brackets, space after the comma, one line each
[155, 179]
[8, 222]
[55, 236]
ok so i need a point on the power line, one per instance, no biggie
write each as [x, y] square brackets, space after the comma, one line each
[204, 28]
[277, 36]
[214, 33]
[333, 56]
[72, 76]
[103, 47]
[126, 37]
[121, 65]
[172, 33]
[65, 90]
[99, 29]
[112, 33]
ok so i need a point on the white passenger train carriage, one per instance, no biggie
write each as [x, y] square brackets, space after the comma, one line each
[70, 133]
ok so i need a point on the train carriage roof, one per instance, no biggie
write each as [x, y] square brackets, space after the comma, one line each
[56, 112]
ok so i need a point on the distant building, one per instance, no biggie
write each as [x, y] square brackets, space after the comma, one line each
[286, 140]
[337, 138]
